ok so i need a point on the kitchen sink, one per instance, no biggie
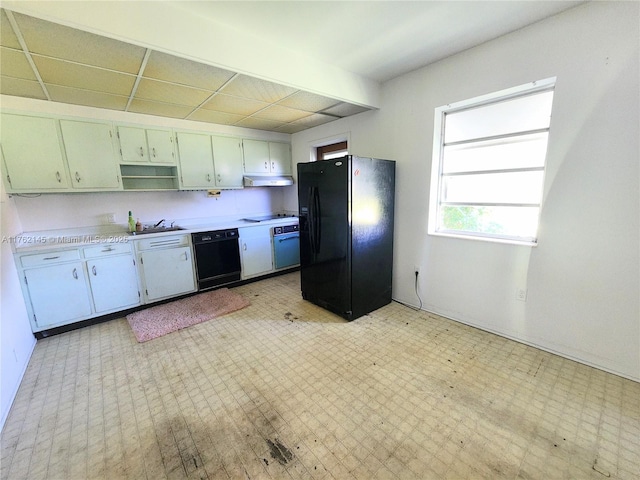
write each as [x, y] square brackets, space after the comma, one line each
[157, 230]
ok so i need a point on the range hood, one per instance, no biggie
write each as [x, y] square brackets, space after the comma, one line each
[267, 180]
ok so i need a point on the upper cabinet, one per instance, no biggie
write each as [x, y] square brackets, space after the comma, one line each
[64, 154]
[33, 156]
[90, 155]
[227, 159]
[209, 161]
[143, 145]
[262, 157]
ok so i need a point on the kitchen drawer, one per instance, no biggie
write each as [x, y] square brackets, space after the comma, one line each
[49, 258]
[162, 242]
[107, 249]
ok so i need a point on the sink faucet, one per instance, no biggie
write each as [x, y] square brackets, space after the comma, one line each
[159, 223]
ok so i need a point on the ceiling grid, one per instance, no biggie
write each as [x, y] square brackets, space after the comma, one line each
[77, 67]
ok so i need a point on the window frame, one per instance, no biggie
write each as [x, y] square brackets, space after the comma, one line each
[440, 113]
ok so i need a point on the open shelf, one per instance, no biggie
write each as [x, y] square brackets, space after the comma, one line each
[149, 177]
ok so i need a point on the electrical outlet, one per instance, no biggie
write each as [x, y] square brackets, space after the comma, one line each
[521, 294]
[111, 217]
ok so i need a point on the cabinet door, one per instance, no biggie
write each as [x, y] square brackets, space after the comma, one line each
[196, 160]
[161, 146]
[256, 156]
[90, 154]
[114, 283]
[167, 272]
[227, 159]
[255, 251]
[58, 294]
[32, 153]
[280, 156]
[133, 145]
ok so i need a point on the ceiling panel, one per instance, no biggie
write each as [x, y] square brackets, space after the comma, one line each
[21, 88]
[14, 63]
[53, 40]
[170, 68]
[60, 72]
[87, 98]
[345, 110]
[178, 94]
[250, 87]
[83, 68]
[237, 105]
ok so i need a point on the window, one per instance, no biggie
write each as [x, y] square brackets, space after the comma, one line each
[335, 150]
[488, 164]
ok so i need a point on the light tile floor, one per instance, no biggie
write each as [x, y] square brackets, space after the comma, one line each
[283, 389]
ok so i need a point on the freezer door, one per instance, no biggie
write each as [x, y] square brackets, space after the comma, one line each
[325, 234]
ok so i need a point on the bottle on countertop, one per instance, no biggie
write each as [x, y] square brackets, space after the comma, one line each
[132, 223]
[138, 226]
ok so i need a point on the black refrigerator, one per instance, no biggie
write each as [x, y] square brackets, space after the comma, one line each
[346, 233]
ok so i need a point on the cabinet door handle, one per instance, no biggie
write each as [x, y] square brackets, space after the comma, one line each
[78, 177]
[141, 152]
[266, 165]
[219, 179]
[51, 258]
[208, 177]
[273, 166]
[75, 273]
[244, 247]
[153, 150]
[186, 256]
[93, 270]
[58, 177]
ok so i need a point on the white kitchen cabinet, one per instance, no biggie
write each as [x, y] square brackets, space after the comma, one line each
[166, 266]
[58, 293]
[113, 277]
[144, 145]
[227, 159]
[262, 157]
[90, 155]
[255, 250]
[280, 158]
[33, 155]
[196, 161]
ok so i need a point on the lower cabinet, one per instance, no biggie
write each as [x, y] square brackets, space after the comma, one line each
[255, 250]
[114, 283]
[59, 294]
[66, 286]
[166, 266]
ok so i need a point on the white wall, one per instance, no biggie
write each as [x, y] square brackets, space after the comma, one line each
[583, 279]
[16, 339]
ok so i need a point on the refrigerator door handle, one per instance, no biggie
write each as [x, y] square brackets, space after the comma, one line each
[311, 219]
[317, 216]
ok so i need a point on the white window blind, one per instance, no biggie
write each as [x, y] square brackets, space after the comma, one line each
[489, 160]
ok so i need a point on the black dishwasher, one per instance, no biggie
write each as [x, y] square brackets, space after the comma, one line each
[217, 257]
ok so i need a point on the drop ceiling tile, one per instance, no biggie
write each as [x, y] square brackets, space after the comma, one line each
[58, 41]
[159, 108]
[86, 97]
[231, 104]
[170, 68]
[67, 74]
[165, 92]
[258, 123]
[281, 114]
[290, 128]
[21, 88]
[345, 110]
[7, 36]
[14, 63]
[211, 116]
[308, 101]
[313, 120]
[250, 87]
